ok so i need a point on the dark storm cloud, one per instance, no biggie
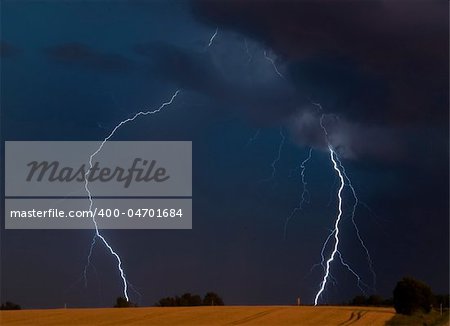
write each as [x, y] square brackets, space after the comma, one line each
[276, 101]
[198, 72]
[187, 69]
[84, 56]
[7, 50]
[403, 45]
[380, 66]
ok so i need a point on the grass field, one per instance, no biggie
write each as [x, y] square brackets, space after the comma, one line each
[227, 315]
[434, 318]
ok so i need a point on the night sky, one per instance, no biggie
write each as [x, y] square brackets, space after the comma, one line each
[379, 69]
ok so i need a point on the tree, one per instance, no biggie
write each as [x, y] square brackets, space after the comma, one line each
[411, 295]
[123, 303]
[167, 302]
[8, 305]
[188, 299]
[212, 299]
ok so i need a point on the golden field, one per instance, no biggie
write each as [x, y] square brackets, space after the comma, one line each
[225, 315]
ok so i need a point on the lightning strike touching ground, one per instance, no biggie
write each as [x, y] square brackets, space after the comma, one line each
[272, 61]
[339, 168]
[91, 202]
[336, 225]
[305, 193]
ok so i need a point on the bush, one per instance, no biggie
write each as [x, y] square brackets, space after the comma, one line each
[411, 296]
[10, 306]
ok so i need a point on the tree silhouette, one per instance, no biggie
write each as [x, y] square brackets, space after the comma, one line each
[411, 295]
[212, 299]
[8, 305]
[188, 299]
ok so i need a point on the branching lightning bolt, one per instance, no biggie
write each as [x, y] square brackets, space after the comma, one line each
[360, 283]
[305, 193]
[322, 252]
[322, 255]
[340, 170]
[358, 234]
[344, 181]
[91, 202]
[336, 225]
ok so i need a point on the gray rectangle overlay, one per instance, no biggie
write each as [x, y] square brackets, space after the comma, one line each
[117, 213]
[146, 160]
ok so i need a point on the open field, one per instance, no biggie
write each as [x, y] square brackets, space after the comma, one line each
[420, 319]
[226, 315]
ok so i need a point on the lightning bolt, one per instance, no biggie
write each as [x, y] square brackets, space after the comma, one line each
[322, 255]
[91, 202]
[253, 138]
[336, 225]
[88, 262]
[278, 157]
[247, 50]
[360, 283]
[211, 40]
[343, 177]
[305, 192]
[273, 64]
[344, 181]
[358, 234]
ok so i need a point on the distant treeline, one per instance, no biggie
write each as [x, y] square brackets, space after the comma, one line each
[378, 301]
[373, 300]
[188, 299]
